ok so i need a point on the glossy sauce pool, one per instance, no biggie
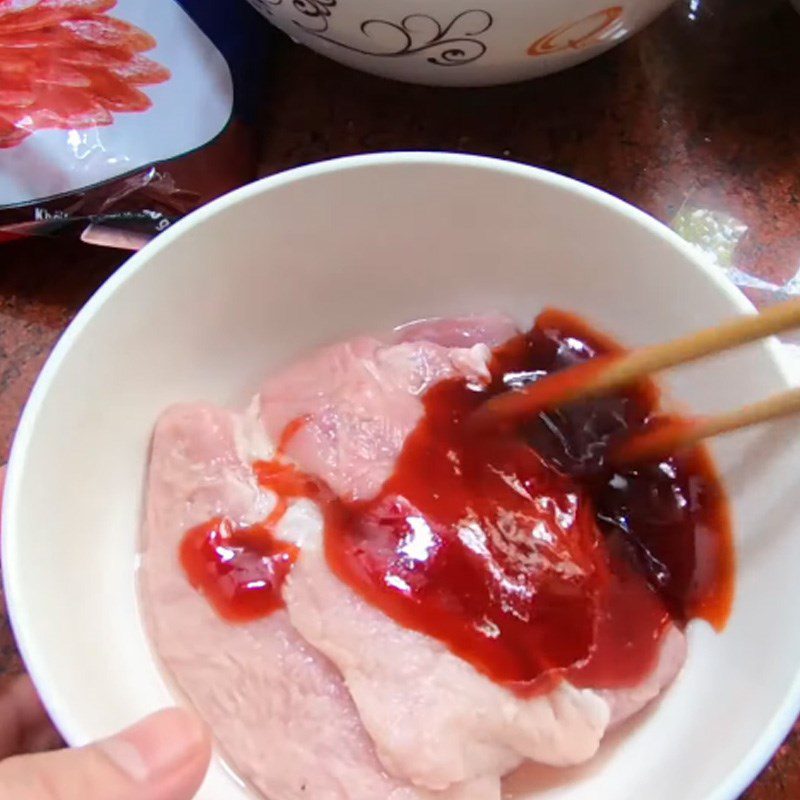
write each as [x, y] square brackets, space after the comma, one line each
[523, 550]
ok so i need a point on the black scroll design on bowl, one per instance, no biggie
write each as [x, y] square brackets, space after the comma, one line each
[316, 14]
[446, 45]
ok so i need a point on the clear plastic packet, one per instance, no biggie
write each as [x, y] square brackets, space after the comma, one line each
[723, 240]
[119, 116]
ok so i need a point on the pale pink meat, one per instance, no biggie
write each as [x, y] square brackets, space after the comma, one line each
[409, 690]
[362, 398]
[279, 709]
[331, 699]
[435, 719]
[432, 716]
[491, 330]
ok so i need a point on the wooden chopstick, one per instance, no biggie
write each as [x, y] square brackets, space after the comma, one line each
[679, 433]
[608, 373]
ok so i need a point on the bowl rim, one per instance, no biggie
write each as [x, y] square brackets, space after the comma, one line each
[35, 657]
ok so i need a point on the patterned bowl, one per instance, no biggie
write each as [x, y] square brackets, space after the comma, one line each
[460, 42]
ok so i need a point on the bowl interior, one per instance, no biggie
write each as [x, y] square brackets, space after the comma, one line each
[303, 258]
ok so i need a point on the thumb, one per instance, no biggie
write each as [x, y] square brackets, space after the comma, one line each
[163, 757]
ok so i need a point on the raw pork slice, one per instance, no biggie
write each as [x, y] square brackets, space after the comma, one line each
[361, 399]
[279, 709]
[330, 698]
[433, 718]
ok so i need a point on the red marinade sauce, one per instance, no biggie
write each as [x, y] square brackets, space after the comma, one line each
[525, 551]
[241, 570]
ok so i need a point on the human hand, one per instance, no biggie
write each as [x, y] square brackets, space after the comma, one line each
[163, 757]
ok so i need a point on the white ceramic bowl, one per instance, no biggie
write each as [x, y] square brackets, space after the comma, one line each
[362, 243]
[460, 42]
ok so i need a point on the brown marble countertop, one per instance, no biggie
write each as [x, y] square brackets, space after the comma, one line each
[696, 120]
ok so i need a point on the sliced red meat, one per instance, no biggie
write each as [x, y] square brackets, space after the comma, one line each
[70, 65]
[60, 75]
[22, 17]
[15, 90]
[16, 98]
[32, 40]
[109, 32]
[11, 134]
[14, 63]
[80, 7]
[110, 57]
[65, 107]
[114, 94]
[141, 70]
[33, 19]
